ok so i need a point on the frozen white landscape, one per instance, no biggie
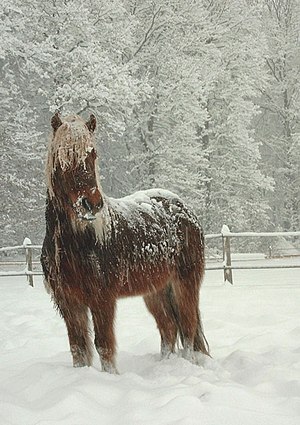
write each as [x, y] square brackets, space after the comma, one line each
[253, 378]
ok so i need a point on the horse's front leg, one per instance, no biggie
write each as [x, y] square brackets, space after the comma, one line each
[76, 318]
[103, 317]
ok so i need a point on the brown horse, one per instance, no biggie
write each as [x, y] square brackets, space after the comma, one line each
[98, 249]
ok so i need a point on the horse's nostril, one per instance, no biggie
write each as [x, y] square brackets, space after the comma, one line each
[86, 204]
[99, 205]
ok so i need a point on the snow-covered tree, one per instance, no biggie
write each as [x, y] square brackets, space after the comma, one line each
[188, 94]
[59, 55]
[279, 126]
[236, 186]
[203, 63]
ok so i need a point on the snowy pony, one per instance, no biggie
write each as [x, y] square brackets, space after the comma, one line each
[98, 249]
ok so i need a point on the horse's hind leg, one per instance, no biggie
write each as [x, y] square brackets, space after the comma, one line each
[186, 297]
[103, 318]
[76, 319]
[161, 308]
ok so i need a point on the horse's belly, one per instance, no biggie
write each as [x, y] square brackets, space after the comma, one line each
[142, 281]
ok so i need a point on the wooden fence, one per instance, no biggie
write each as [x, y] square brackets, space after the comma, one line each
[227, 266]
[28, 248]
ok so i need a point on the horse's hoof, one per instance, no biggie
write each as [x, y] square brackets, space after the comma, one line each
[110, 368]
[80, 364]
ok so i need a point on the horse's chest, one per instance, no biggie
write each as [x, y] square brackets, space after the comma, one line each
[90, 270]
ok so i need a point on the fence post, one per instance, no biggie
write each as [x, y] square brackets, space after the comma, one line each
[226, 254]
[270, 251]
[28, 251]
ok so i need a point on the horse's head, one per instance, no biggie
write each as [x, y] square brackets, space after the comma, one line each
[71, 170]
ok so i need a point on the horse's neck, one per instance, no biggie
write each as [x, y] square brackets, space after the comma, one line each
[57, 219]
[55, 212]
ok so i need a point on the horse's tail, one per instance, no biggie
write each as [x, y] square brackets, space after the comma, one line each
[200, 341]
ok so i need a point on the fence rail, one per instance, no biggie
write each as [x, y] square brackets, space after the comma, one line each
[28, 248]
[225, 235]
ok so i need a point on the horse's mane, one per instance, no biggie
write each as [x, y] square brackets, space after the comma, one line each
[69, 147]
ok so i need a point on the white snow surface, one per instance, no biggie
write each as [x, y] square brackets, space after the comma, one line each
[253, 378]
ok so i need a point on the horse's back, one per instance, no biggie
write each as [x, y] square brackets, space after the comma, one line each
[154, 204]
[158, 222]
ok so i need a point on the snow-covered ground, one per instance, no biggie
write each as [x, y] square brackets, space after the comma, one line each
[253, 379]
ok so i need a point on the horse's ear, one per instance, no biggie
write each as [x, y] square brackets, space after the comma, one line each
[91, 123]
[56, 122]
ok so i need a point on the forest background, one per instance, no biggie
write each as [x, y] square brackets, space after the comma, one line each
[198, 97]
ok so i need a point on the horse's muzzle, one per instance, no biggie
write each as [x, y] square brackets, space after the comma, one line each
[87, 217]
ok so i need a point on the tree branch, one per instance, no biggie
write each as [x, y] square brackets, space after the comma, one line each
[148, 32]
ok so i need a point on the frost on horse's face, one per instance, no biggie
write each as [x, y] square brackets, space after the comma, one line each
[74, 175]
[78, 185]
